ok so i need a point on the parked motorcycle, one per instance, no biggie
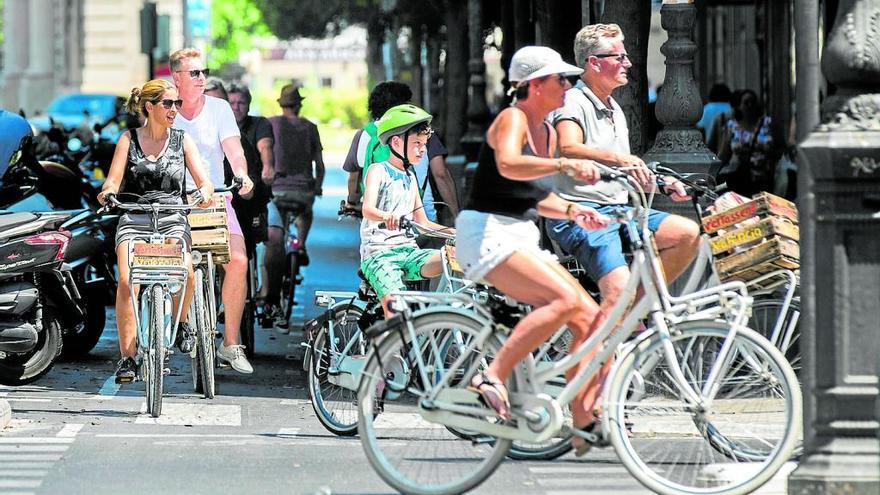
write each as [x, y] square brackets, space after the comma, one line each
[29, 186]
[37, 294]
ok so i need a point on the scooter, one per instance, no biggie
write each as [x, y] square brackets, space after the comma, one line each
[37, 294]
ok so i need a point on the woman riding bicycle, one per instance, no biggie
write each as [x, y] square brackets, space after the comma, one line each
[497, 235]
[150, 163]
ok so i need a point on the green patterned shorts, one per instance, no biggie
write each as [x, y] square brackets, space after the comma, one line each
[387, 270]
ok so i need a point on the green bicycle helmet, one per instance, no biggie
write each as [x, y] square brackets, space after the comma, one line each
[400, 120]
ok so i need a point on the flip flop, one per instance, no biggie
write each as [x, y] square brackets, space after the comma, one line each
[580, 444]
[492, 394]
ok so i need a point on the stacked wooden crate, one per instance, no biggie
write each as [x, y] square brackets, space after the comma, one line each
[210, 229]
[754, 238]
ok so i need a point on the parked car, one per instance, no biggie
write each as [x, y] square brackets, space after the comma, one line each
[71, 110]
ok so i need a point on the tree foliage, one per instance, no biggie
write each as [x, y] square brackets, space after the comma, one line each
[317, 18]
[234, 23]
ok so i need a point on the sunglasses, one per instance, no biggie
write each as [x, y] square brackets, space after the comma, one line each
[621, 57]
[195, 72]
[167, 103]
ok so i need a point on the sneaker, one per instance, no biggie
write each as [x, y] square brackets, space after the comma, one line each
[234, 356]
[126, 370]
[186, 338]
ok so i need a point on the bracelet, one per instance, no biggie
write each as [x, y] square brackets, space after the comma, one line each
[559, 164]
[568, 209]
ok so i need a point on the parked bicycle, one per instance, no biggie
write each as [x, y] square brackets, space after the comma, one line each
[687, 402]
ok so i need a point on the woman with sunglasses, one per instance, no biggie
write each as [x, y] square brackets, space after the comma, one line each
[497, 236]
[149, 165]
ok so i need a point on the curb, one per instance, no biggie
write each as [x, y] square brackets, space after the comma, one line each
[5, 413]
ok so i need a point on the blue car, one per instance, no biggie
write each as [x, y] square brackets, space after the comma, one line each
[68, 110]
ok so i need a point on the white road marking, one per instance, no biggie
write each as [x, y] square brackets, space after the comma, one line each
[170, 435]
[26, 399]
[33, 448]
[288, 432]
[27, 465]
[17, 440]
[578, 470]
[23, 473]
[406, 421]
[29, 457]
[294, 402]
[69, 431]
[108, 389]
[4, 393]
[20, 483]
[581, 487]
[193, 415]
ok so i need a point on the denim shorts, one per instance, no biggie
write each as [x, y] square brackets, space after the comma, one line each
[599, 251]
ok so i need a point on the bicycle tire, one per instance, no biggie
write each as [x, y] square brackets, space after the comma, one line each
[339, 415]
[655, 452]
[288, 286]
[203, 355]
[765, 314]
[415, 442]
[156, 351]
[247, 329]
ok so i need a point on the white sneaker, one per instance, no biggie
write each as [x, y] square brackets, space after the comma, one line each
[234, 355]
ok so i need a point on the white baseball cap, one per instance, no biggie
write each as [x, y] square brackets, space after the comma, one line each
[532, 62]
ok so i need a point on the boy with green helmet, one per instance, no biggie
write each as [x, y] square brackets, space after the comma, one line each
[388, 257]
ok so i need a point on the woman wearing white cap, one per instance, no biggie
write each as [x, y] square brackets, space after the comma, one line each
[497, 238]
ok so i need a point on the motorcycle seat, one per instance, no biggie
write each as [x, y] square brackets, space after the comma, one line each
[9, 220]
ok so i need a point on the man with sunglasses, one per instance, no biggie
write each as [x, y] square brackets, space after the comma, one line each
[211, 124]
[591, 125]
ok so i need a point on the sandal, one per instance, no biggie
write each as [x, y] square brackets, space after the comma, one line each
[492, 394]
[582, 445]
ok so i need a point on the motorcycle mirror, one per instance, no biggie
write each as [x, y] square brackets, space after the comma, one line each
[74, 144]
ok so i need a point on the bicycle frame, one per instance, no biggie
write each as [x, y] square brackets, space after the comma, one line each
[452, 406]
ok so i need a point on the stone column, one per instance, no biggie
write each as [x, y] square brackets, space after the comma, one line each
[478, 110]
[38, 86]
[15, 52]
[680, 144]
[839, 202]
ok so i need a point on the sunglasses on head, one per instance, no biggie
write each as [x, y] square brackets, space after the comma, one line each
[167, 103]
[195, 72]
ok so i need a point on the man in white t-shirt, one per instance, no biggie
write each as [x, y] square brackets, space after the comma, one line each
[211, 124]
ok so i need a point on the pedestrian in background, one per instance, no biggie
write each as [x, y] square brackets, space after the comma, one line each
[751, 146]
[719, 103]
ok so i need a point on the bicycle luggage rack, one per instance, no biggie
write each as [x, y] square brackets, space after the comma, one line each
[754, 239]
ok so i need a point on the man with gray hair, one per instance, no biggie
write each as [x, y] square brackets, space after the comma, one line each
[591, 125]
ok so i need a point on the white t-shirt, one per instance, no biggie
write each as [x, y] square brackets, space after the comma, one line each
[396, 194]
[214, 124]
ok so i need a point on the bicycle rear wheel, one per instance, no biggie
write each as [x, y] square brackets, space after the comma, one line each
[410, 453]
[335, 404]
[731, 445]
[766, 314]
[156, 353]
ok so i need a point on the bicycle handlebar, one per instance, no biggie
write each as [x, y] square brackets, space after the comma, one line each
[348, 212]
[414, 229]
[113, 202]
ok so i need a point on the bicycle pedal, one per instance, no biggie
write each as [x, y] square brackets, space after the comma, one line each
[223, 365]
[482, 440]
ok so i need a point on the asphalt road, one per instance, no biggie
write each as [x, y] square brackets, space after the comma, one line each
[76, 432]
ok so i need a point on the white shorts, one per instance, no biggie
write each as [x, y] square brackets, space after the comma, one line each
[274, 216]
[484, 240]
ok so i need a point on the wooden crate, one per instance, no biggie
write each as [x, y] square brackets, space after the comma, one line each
[761, 205]
[212, 217]
[215, 240]
[768, 228]
[772, 254]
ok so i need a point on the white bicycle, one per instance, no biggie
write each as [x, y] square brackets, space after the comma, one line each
[696, 404]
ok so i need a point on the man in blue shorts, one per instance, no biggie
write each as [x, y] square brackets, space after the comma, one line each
[591, 125]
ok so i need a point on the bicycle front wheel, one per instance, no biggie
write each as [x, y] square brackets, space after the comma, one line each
[156, 353]
[767, 315]
[332, 380]
[203, 354]
[737, 439]
[410, 453]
